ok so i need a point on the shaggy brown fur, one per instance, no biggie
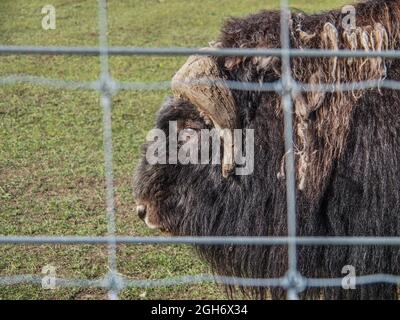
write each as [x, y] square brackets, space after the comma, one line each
[322, 119]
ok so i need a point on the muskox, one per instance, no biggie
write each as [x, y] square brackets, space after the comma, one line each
[347, 152]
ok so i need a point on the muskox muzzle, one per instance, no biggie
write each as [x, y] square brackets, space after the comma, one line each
[141, 211]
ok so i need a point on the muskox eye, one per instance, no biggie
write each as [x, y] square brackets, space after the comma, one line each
[186, 134]
[189, 131]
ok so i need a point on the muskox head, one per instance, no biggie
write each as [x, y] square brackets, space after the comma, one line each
[186, 198]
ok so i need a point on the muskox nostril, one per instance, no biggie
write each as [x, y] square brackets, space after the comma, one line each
[141, 211]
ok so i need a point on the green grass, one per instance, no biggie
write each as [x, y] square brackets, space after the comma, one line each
[51, 153]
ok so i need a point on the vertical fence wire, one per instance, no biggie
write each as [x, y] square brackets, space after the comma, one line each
[106, 103]
[287, 104]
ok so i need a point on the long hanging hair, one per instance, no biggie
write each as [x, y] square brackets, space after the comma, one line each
[322, 118]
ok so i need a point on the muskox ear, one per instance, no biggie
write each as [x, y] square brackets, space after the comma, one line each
[200, 82]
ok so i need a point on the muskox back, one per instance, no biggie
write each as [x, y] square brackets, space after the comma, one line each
[347, 155]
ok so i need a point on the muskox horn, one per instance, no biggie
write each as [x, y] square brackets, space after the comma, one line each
[200, 82]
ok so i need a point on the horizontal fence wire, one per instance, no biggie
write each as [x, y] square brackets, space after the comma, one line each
[276, 86]
[114, 282]
[222, 52]
[257, 241]
[124, 282]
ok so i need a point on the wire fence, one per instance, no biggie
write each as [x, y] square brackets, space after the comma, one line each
[114, 282]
